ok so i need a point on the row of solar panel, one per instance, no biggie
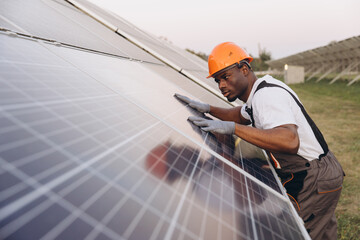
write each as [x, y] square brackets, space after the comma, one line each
[95, 146]
[58, 20]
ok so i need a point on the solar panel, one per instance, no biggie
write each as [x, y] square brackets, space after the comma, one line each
[95, 146]
[57, 20]
[181, 60]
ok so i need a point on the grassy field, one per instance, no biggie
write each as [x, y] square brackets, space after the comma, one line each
[335, 109]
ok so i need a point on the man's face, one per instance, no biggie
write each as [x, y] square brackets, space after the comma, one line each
[232, 83]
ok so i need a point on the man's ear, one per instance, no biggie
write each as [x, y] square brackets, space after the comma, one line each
[245, 70]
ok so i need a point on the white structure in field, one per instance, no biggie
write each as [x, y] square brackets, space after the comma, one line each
[293, 74]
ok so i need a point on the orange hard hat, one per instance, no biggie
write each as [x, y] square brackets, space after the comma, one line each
[224, 55]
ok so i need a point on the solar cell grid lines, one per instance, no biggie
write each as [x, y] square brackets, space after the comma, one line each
[59, 21]
[94, 145]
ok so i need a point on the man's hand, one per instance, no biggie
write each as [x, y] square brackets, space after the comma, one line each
[199, 106]
[222, 127]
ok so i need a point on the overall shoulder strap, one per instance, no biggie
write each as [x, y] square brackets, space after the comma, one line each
[315, 129]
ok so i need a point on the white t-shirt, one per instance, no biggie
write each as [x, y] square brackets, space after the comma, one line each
[273, 106]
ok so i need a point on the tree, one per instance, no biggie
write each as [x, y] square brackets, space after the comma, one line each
[259, 64]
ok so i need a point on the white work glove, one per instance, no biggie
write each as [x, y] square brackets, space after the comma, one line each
[223, 127]
[199, 106]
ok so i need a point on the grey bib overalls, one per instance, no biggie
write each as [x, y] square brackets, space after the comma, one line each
[314, 187]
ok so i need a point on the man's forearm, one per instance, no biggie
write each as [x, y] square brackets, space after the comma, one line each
[229, 114]
[282, 139]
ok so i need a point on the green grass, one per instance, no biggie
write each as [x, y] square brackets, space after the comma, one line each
[335, 109]
[348, 227]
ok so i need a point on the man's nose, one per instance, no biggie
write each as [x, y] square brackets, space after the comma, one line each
[222, 83]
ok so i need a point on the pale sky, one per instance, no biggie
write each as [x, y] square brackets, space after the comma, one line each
[283, 27]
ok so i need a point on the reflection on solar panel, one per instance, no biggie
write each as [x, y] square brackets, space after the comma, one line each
[93, 145]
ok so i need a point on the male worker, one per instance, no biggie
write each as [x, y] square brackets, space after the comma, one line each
[310, 172]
